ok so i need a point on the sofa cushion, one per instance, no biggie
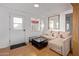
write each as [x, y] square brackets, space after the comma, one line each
[56, 43]
[53, 34]
[61, 36]
[64, 34]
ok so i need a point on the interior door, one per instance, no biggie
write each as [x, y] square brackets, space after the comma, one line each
[17, 30]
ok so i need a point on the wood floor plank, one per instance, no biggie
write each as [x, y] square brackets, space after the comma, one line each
[30, 50]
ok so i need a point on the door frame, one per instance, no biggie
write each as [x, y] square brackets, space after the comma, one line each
[11, 15]
[75, 29]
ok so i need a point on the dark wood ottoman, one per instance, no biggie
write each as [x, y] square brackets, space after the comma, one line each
[39, 42]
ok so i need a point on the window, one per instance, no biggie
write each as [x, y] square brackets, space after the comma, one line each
[37, 24]
[17, 23]
[54, 23]
[68, 22]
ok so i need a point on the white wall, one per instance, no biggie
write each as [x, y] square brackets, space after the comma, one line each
[4, 28]
[4, 25]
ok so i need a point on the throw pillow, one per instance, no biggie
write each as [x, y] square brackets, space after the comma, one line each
[61, 36]
[53, 34]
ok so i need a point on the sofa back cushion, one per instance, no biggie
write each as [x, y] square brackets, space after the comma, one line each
[49, 34]
[64, 34]
[52, 34]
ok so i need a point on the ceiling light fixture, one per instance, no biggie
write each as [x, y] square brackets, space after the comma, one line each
[36, 5]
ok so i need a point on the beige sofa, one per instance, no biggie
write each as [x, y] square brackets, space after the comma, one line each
[59, 42]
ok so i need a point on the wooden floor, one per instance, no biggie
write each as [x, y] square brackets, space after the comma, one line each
[30, 50]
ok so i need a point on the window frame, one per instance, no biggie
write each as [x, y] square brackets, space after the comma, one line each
[32, 25]
[49, 18]
[18, 24]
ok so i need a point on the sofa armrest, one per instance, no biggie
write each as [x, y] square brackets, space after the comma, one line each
[66, 45]
[67, 38]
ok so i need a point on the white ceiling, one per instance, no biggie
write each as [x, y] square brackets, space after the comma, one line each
[45, 8]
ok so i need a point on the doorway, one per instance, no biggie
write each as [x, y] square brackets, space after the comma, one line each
[17, 31]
